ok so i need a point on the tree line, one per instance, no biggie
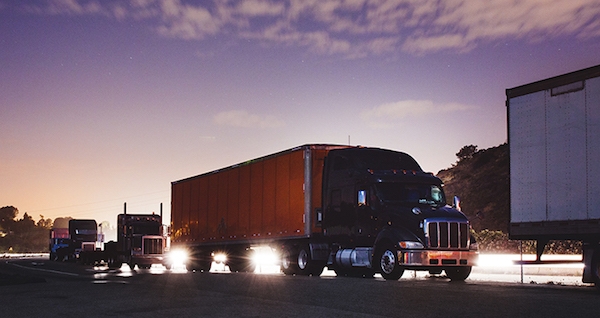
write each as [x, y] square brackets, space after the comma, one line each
[24, 235]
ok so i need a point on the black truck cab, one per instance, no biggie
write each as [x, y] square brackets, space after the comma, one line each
[384, 214]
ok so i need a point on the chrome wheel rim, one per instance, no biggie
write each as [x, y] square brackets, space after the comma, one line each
[302, 259]
[388, 262]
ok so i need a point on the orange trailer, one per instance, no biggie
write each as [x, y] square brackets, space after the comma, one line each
[356, 210]
[265, 200]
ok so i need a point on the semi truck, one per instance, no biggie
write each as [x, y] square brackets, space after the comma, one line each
[356, 210]
[141, 241]
[59, 239]
[77, 243]
[554, 142]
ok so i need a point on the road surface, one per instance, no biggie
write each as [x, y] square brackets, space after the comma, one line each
[36, 287]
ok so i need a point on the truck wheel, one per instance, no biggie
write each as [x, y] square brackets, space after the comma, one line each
[287, 261]
[114, 262]
[308, 266]
[458, 274]
[386, 262]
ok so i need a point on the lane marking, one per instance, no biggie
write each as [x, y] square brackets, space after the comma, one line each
[44, 270]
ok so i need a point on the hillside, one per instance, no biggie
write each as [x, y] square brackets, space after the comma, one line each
[481, 181]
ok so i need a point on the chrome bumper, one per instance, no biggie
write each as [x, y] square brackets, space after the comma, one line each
[434, 258]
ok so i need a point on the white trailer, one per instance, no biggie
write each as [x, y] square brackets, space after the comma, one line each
[554, 141]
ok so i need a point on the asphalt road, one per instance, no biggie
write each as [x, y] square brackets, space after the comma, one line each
[35, 288]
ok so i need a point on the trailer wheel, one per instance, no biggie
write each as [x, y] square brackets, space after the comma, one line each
[287, 264]
[242, 261]
[386, 261]
[200, 261]
[458, 274]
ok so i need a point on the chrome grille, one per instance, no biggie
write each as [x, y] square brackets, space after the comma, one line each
[444, 234]
[153, 245]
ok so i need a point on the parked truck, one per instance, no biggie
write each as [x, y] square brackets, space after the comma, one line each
[140, 241]
[356, 210]
[554, 141]
[59, 239]
[77, 243]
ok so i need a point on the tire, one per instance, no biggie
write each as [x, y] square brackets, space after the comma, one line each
[458, 274]
[386, 262]
[308, 266]
[287, 261]
[200, 262]
[114, 262]
[242, 262]
[300, 262]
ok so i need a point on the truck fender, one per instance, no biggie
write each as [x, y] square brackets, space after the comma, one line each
[395, 235]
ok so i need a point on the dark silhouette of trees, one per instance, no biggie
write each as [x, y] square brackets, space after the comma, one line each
[481, 180]
[466, 152]
[22, 235]
[7, 218]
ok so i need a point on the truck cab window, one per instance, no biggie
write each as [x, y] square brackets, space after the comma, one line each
[411, 193]
[362, 197]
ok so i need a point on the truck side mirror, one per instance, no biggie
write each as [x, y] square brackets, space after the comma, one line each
[456, 203]
[319, 215]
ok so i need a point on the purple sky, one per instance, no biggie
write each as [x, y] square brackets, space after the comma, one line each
[103, 102]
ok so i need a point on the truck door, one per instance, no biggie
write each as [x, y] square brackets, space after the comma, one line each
[365, 224]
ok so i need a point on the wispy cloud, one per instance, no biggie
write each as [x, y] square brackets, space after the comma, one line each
[244, 119]
[355, 28]
[390, 114]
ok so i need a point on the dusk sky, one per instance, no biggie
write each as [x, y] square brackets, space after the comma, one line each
[105, 102]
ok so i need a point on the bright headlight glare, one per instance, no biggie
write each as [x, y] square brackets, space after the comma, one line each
[220, 258]
[410, 245]
[178, 256]
[264, 257]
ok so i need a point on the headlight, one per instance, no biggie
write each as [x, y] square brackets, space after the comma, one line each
[410, 245]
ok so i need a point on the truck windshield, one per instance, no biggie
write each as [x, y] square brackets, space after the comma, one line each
[147, 228]
[411, 193]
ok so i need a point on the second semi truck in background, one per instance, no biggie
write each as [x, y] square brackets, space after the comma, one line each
[140, 241]
[75, 243]
[356, 210]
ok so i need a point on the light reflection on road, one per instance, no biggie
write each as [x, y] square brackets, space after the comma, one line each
[491, 268]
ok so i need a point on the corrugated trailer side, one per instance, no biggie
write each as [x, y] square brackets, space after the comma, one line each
[554, 139]
[268, 198]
